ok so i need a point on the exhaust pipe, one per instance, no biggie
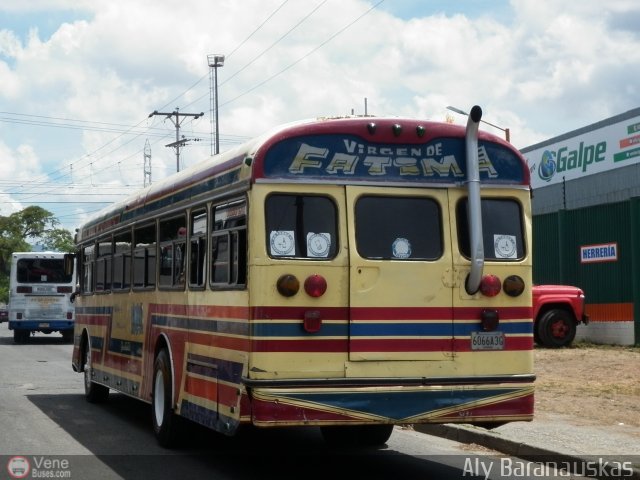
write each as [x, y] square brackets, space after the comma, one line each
[474, 211]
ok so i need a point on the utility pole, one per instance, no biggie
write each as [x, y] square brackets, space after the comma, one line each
[177, 122]
[215, 61]
[147, 163]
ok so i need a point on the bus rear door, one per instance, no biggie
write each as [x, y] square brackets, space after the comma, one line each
[400, 274]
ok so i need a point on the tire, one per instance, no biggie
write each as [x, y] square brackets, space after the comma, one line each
[357, 435]
[556, 328]
[21, 336]
[93, 392]
[165, 421]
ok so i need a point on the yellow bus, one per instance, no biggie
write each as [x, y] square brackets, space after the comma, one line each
[348, 273]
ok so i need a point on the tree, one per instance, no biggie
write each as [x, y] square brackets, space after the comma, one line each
[32, 223]
[58, 240]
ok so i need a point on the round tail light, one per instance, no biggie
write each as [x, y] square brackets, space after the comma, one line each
[288, 285]
[490, 285]
[513, 285]
[315, 285]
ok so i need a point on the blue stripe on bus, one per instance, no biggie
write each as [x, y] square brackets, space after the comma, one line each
[398, 405]
[218, 368]
[207, 417]
[205, 325]
[212, 184]
[96, 343]
[387, 329]
[274, 329]
[94, 310]
[125, 347]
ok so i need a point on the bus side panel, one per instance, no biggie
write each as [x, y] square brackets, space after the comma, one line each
[207, 345]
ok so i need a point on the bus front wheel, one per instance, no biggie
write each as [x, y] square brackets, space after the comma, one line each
[165, 422]
[93, 392]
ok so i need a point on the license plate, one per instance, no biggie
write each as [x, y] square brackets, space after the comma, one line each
[487, 341]
[43, 325]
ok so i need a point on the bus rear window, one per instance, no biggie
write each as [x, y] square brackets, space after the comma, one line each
[398, 228]
[502, 229]
[301, 226]
[41, 270]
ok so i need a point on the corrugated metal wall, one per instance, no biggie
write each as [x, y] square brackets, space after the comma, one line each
[612, 288]
[557, 238]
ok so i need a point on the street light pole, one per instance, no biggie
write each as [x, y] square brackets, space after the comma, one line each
[507, 134]
[215, 61]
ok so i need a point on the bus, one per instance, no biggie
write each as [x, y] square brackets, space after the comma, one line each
[348, 273]
[40, 295]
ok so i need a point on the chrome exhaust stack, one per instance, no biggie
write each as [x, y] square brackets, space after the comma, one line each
[474, 211]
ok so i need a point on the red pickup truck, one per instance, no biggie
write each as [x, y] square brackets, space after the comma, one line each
[557, 311]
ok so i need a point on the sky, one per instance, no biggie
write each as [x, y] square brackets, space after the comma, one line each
[80, 78]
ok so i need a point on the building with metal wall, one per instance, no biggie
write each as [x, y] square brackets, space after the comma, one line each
[586, 221]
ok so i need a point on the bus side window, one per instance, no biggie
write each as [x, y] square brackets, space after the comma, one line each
[122, 261]
[144, 256]
[198, 246]
[229, 245]
[103, 265]
[88, 254]
[173, 235]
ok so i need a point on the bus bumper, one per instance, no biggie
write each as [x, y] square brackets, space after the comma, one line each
[41, 325]
[446, 403]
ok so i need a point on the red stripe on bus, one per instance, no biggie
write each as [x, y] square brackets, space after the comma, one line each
[338, 345]
[273, 412]
[278, 313]
[388, 313]
[231, 343]
[401, 345]
[202, 388]
[212, 390]
[126, 364]
[382, 345]
[204, 311]
[98, 320]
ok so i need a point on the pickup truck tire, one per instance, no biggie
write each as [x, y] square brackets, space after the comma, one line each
[556, 328]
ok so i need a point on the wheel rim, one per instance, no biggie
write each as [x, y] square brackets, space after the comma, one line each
[158, 398]
[559, 329]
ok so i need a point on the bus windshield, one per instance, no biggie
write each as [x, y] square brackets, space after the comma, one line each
[42, 270]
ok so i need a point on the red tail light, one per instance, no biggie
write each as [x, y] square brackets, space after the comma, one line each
[24, 289]
[65, 289]
[69, 315]
[490, 285]
[315, 285]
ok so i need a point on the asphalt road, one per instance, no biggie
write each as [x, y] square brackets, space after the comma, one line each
[46, 423]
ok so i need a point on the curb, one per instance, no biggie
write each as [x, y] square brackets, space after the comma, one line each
[494, 441]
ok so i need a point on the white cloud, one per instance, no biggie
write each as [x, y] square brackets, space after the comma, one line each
[537, 70]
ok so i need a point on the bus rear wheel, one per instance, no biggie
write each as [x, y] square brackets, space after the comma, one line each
[93, 392]
[357, 435]
[165, 422]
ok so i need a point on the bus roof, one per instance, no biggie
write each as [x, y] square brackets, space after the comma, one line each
[336, 150]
